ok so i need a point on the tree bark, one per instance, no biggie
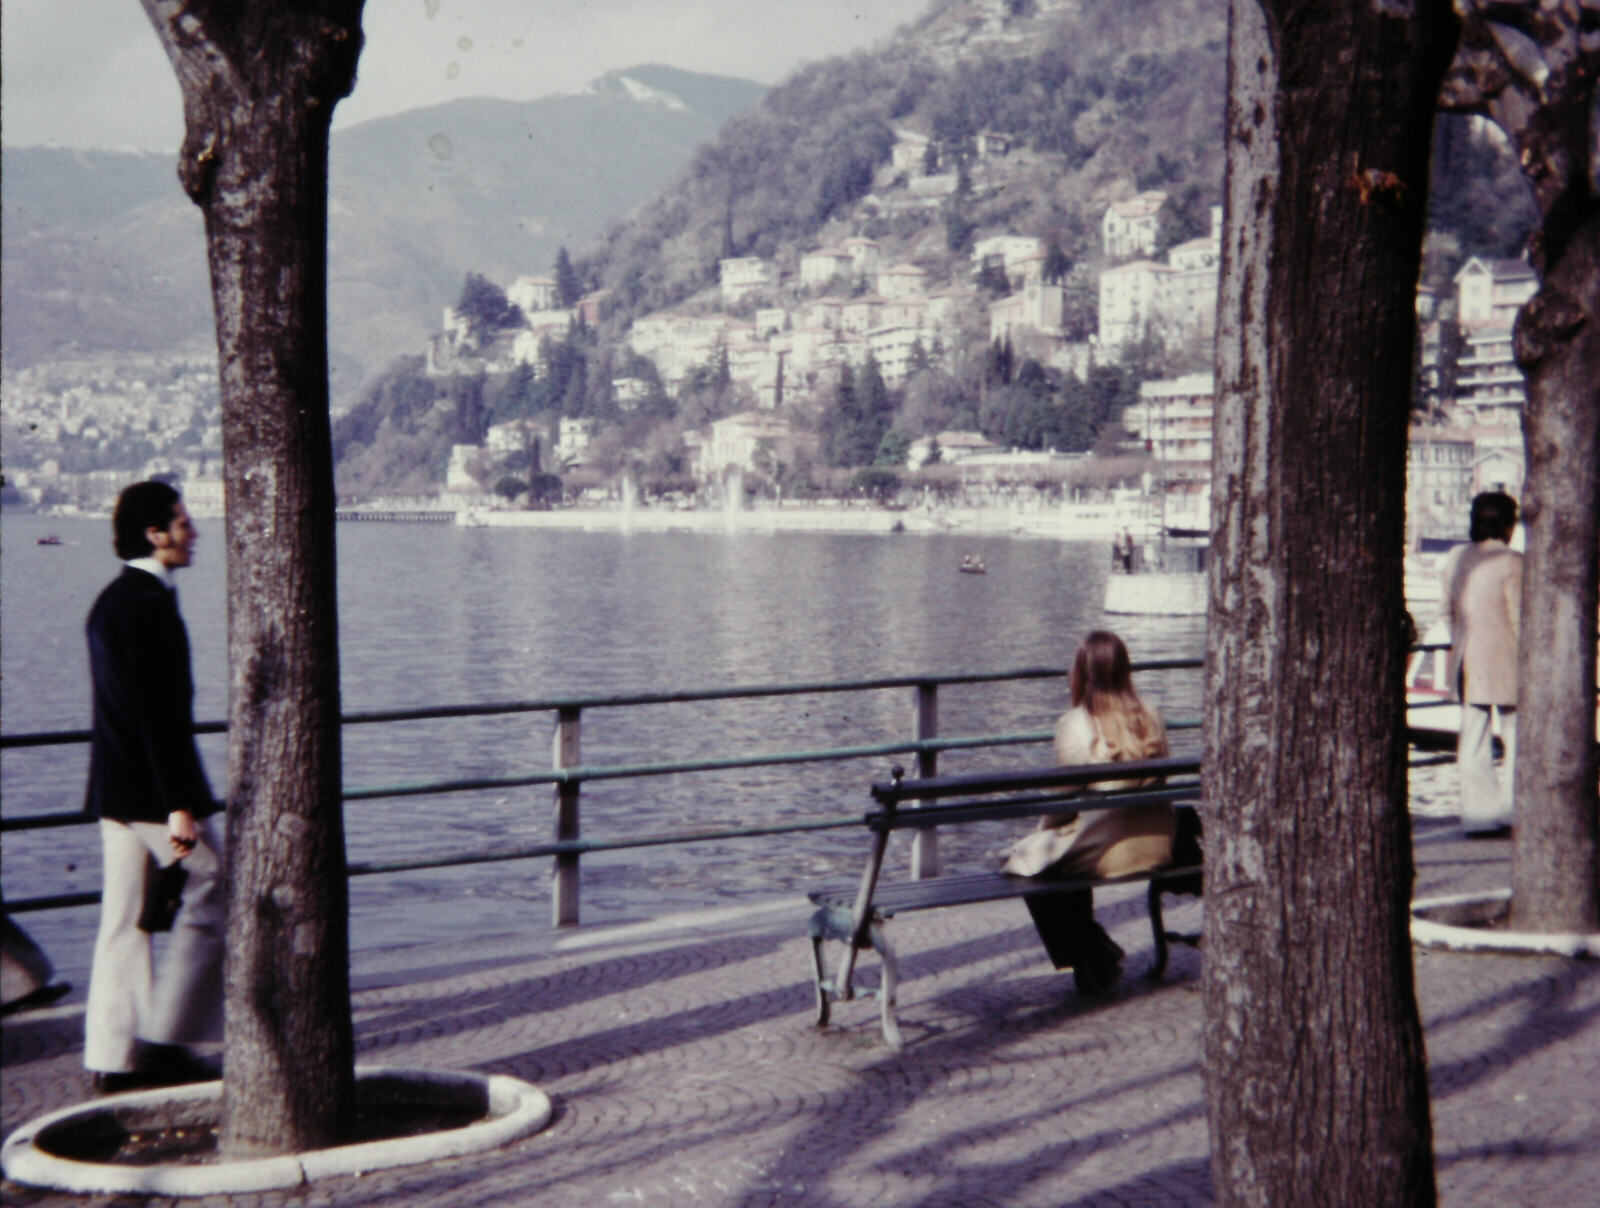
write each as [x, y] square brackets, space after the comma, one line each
[259, 84]
[1316, 1078]
[1532, 67]
[1555, 870]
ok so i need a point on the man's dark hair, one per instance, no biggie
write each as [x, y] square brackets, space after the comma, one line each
[142, 506]
[1494, 515]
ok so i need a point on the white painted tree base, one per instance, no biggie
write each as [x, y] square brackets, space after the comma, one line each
[516, 1109]
[1446, 922]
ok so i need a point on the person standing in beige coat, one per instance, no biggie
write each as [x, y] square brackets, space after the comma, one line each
[1482, 593]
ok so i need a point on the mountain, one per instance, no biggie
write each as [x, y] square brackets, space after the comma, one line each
[1094, 99]
[104, 253]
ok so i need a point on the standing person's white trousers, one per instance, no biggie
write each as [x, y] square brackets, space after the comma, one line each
[126, 1005]
[1484, 806]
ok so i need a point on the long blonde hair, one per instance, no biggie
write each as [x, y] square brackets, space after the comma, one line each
[1102, 683]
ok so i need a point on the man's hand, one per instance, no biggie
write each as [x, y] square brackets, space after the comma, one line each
[181, 832]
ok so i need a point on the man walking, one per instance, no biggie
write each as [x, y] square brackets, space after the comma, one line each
[1482, 592]
[149, 789]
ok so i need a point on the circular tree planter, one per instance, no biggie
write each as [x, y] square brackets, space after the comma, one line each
[1475, 922]
[60, 1150]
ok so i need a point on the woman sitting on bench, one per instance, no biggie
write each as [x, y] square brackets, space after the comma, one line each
[1108, 723]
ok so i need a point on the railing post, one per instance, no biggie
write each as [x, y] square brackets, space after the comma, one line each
[564, 872]
[925, 724]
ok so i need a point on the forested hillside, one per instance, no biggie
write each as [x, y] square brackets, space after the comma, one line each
[1109, 95]
[1026, 119]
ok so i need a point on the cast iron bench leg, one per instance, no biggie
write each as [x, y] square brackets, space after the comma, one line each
[887, 990]
[1158, 928]
[820, 981]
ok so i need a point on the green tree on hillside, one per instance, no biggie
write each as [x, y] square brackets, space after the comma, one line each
[568, 288]
[854, 425]
[483, 304]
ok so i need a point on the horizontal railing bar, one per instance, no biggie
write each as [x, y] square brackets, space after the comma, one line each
[551, 704]
[558, 847]
[367, 868]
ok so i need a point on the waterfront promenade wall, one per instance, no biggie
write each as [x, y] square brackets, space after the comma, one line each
[1090, 522]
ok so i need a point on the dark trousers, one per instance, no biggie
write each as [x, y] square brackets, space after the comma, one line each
[1065, 922]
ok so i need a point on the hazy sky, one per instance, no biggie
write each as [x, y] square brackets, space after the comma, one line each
[90, 73]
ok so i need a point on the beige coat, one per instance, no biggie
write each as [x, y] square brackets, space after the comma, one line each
[1482, 594]
[1099, 843]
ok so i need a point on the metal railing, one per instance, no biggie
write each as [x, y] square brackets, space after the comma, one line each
[568, 774]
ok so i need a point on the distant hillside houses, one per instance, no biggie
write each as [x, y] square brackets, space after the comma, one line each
[1175, 301]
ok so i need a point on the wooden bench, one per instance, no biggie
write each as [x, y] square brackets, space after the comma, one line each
[855, 914]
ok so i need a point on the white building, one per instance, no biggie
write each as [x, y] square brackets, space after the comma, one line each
[532, 294]
[901, 281]
[1490, 292]
[1135, 298]
[1129, 226]
[1438, 478]
[1035, 309]
[1490, 387]
[743, 275]
[734, 442]
[863, 254]
[1007, 252]
[572, 441]
[1173, 419]
[823, 265]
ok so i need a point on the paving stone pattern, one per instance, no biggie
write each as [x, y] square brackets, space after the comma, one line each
[685, 1068]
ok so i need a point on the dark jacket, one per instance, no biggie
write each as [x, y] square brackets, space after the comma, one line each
[143, 762]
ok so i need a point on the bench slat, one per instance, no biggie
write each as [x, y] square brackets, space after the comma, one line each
[957, 813]
[903, 897]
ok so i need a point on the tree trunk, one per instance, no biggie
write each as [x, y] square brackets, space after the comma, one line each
[259, 84]
[1556, 862]
[1316, 1078]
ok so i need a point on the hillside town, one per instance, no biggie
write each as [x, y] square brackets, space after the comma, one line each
[783, 331]
[76, 431]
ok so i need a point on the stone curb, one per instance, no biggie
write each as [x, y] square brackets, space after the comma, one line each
[517, 1109]
[1431, 933]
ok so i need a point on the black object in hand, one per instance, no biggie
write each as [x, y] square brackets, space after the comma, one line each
[163, 894]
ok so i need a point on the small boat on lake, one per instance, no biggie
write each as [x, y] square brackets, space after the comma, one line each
[973, 566]
[50, 539]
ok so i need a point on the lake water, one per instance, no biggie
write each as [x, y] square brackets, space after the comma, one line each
[434, 614]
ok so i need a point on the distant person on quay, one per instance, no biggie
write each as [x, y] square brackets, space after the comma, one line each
[1107, 723]
[1482, 593]
[149, 789]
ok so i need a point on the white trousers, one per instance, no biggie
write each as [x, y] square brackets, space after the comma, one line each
[1484, 806]
[126, 1005]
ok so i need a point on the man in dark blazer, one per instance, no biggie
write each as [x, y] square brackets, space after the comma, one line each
[149, 789]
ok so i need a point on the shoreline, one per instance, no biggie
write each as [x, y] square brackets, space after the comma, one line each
[1067, 523]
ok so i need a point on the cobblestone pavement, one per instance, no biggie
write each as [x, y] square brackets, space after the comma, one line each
[685, 1067]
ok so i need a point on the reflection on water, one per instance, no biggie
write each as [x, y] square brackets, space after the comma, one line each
[438, 615]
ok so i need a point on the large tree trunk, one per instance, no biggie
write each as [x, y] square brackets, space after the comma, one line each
[1316, 1078]
[1556, 862]
[1533, 67]
[259, 84]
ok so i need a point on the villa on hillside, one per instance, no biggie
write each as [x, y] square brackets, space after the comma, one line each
[1129, 227]
[737, 442]
[743, 275]
[532, 294]
[820, 267]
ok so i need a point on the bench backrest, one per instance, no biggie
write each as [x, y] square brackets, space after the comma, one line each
[935, 788]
